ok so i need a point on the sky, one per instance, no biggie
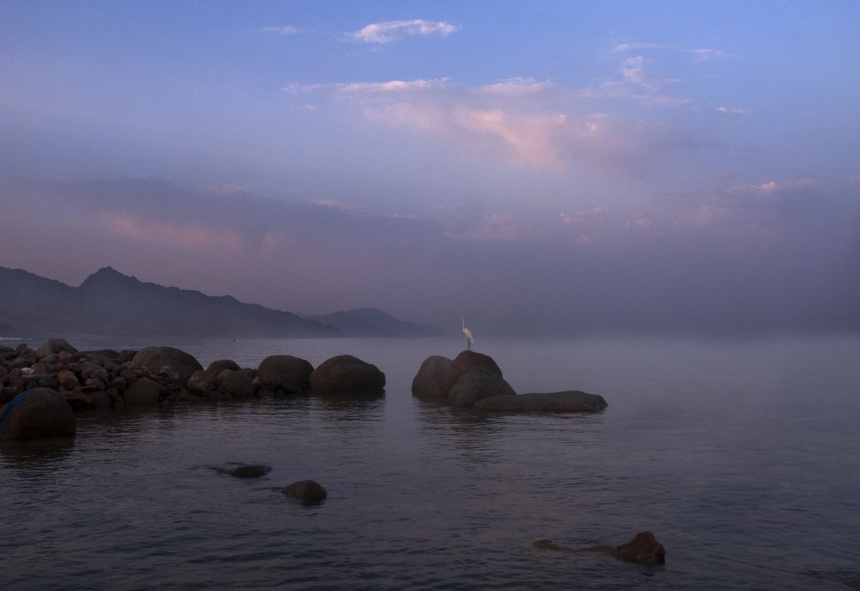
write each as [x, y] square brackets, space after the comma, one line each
[555, 167]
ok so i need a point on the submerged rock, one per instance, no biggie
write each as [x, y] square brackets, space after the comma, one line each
[569, 401]
[643, 549]
[246, 470]
[306, 489]
[37, 414]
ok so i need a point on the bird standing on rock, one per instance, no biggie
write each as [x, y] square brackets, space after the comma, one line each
[469, 338]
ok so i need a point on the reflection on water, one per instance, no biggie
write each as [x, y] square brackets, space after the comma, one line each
[714, 448]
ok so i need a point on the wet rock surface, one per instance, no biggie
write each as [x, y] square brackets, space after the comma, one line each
[643, 549]
[474, 380]
[153, 376]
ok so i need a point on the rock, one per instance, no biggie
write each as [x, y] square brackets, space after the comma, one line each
[570, 401]
[643, 549]
[285, 371]
[68, 380]
[235, 384]
[198, 383]
[54, 346]
[346, 374]
[155, 358]
[477, 384]
[306, 489]
[465, 361]
[103, 355]
[143, 392]
[37, 414]
[246, 471]
[217, 367]
[429, 382]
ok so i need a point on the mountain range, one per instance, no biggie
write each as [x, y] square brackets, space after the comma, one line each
[109, 303]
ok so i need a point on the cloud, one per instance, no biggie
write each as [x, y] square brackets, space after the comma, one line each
[387, 32]
[521, 122]
[724, 112]
[285, 30]
[636, 70]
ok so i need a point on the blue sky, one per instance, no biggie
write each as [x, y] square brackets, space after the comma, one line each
[534, 167]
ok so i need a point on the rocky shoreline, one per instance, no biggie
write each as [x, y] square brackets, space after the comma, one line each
[56, 375]
[46, 383]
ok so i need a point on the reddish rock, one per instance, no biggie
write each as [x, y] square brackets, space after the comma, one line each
[67, 379]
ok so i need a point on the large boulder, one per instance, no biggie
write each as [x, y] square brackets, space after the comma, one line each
[477, 384]
[155, 358]
[429, 382]
[217, 367]
[288, 372]
[570, 401]
[235, 384]
[465, 361]
[143, 392]
[54, 346]
[37, 414]
[345, 374]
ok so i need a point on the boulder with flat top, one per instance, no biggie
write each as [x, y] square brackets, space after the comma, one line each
[568, 401]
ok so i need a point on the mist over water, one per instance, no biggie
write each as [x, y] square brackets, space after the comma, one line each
[740, 456]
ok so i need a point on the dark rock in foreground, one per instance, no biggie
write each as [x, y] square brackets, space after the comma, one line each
[36, 414]
[345, 374]
[306, 489]
[643, 549]
[569, 401]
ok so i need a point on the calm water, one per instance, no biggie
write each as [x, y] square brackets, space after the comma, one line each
[743, 458]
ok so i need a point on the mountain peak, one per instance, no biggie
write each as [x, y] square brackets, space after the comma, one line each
[108, 276]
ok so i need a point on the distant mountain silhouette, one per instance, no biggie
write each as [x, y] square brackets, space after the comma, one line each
[109, 303]
[370, 322]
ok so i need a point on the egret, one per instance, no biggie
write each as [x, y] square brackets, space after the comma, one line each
[469, 338]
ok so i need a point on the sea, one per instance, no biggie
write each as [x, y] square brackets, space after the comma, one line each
[742, 457]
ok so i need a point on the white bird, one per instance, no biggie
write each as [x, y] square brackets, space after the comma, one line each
[469, 338]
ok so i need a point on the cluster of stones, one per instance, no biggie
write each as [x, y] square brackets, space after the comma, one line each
[474, 380]
[164, 375]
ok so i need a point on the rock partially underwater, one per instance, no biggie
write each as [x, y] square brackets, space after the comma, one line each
[157, 376]
[474, 380]
[643, 549]
[37, 414]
